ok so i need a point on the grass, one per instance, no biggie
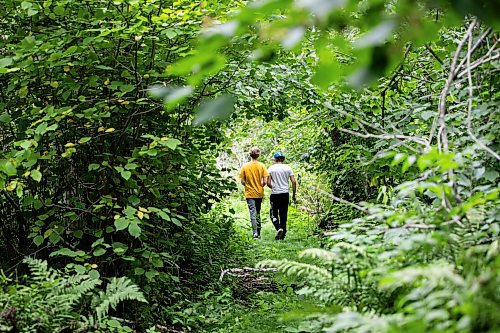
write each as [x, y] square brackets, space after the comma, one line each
[262, 310]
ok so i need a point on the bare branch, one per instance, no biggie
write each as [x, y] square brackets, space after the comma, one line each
[358, 207]
[387, 137]
[481, 61]
[476, 45]
[442, 135]
[471, 97]
[363, 123]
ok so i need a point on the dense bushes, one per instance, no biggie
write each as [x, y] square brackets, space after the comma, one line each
[424, 257]
[94, 173]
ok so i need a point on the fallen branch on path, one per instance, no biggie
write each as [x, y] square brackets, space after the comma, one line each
[244, 271]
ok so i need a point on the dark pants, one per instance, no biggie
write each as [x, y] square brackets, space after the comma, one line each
[279, 210]
[254, 205]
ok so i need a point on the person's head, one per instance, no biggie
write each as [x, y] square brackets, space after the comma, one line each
[254, 152]
[279, 157]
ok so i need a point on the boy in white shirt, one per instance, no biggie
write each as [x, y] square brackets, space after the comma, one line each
[279, 173]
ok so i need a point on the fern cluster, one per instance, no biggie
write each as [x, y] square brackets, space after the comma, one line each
[51, 301]
[408, 267]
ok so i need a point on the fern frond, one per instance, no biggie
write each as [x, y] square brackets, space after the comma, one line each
[322, 254]
[75, 287]
[40, 271]
[351, 247]
[119, 289]
[436, 273]
[298, 269]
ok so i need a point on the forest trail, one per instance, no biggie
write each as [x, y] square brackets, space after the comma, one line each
[260, 310]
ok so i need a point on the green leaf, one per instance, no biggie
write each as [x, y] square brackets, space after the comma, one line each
[121, 223]
[93, 166]
[8, 168]
[5, 62]
[80, 269]
[66, 252]
[170, 33]
[114, 323]
[491, 175]
[94, 274]
[134, 229]
[151, 274]
[99, 252]
[126, 174]
[426, 115]
[216, 109]
[25, 5]
[52, 127]
[172, 143]
[32, 12]
[38, 240]
[131, 166]
[41, 128]
[26, 144]
[28, 43]
[36, 175]
[176, 222]
[5, 118]
[84, 139]
[119, 248]
[172, 96]
[59, 10]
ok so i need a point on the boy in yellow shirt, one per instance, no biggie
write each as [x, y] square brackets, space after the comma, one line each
[253, 176]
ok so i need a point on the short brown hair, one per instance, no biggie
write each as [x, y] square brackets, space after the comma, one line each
[254, 152]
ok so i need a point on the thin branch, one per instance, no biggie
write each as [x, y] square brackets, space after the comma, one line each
[476, 45]
[428, 47]
[442, 136]
[479, 62]
[361, 122]
[469, 108]
[387, 137]
[358, 207]
[419, 226]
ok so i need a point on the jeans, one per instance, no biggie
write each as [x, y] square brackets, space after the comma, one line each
[279, 210]
[254, 205]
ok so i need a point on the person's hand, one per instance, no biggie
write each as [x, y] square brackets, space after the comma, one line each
[294, 199]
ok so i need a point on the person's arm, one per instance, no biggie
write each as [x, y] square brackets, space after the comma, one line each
[266, 177]
[294, 187]
[269, 182]
[242, 177]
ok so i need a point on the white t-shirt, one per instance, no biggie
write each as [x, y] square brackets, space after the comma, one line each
[279, 173]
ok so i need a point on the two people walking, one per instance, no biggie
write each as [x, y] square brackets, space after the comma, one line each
[254, 176]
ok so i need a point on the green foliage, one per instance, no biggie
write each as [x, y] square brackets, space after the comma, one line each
[93, 171]
[51, 301]
[112, 115]
[410, 265]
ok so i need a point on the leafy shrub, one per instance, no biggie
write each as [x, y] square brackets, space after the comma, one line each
[413, 265]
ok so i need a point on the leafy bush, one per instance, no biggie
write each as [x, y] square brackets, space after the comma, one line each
[411, 266]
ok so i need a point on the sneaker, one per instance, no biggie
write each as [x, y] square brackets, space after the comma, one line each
[255, 235]
[279, 233]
